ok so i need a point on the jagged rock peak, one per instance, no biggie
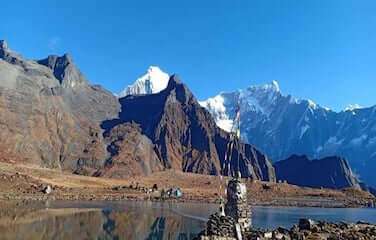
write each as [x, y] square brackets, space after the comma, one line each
[174, 81]
[9, 56]
[182, 92]
[64, 70]
[53, 60]
[3, 45]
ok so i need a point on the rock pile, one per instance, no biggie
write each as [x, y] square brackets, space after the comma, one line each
[309, 229]
[221, 226]
[306, 229]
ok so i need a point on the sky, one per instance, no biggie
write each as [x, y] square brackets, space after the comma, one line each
[323, 50]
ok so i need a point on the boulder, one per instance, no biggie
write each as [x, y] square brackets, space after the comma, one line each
[306, 224]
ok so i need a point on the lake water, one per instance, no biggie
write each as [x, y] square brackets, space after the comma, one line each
[147, 220]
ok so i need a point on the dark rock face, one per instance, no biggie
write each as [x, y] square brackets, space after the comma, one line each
[3, 44]
[185, 135]
[64, 70]
[50, 115]
[330, 172]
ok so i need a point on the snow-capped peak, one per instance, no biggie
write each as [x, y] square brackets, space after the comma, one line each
[352, 107]
[273, 86]
[153, 81]
[259, 99]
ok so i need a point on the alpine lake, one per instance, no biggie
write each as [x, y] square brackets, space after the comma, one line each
[146, 219]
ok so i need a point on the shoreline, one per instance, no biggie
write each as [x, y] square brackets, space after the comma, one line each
[25, 182]
[140, 198]
[218, 229]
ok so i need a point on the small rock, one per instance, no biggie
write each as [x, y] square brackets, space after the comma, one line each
[268, 234]
[47, 189]
[306, 224]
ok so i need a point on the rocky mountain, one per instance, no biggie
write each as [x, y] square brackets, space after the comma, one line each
[184, 135]
[49, 114]
[153, 81]
[330, 172]
[281, 125]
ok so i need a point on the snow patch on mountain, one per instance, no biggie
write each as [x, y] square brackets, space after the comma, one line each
[359, 140]
[258, 99]
[153, 81]
[273, 86]
[216, 106]
[312, 104]
[352, 107]
[334, 141]
[303, 130]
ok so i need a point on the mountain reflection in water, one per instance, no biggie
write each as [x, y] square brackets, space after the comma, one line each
[115, 222]
[143, 219]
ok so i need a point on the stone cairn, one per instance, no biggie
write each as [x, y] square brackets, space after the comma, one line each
[235, 214]
[233, 222]
[237, 206]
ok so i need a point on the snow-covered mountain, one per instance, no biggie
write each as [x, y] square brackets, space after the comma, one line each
[153, 81]
[282, 125]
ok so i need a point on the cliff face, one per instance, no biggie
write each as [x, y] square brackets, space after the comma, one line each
[49, 114]
[184, 134]
[329, 172]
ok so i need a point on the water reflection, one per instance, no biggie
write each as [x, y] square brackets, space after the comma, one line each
[107, 222]
[143, 220]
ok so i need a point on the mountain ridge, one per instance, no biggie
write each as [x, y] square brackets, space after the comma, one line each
[329, 172]
[53, 117]
[281, 125]
[185, 135]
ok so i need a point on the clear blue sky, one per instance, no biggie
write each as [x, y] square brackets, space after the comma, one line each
[319, 49]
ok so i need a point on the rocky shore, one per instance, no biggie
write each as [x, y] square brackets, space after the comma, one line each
[306, 229]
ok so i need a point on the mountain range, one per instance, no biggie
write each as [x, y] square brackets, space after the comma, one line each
[184, 134]
[51, 116]
[281, 125]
